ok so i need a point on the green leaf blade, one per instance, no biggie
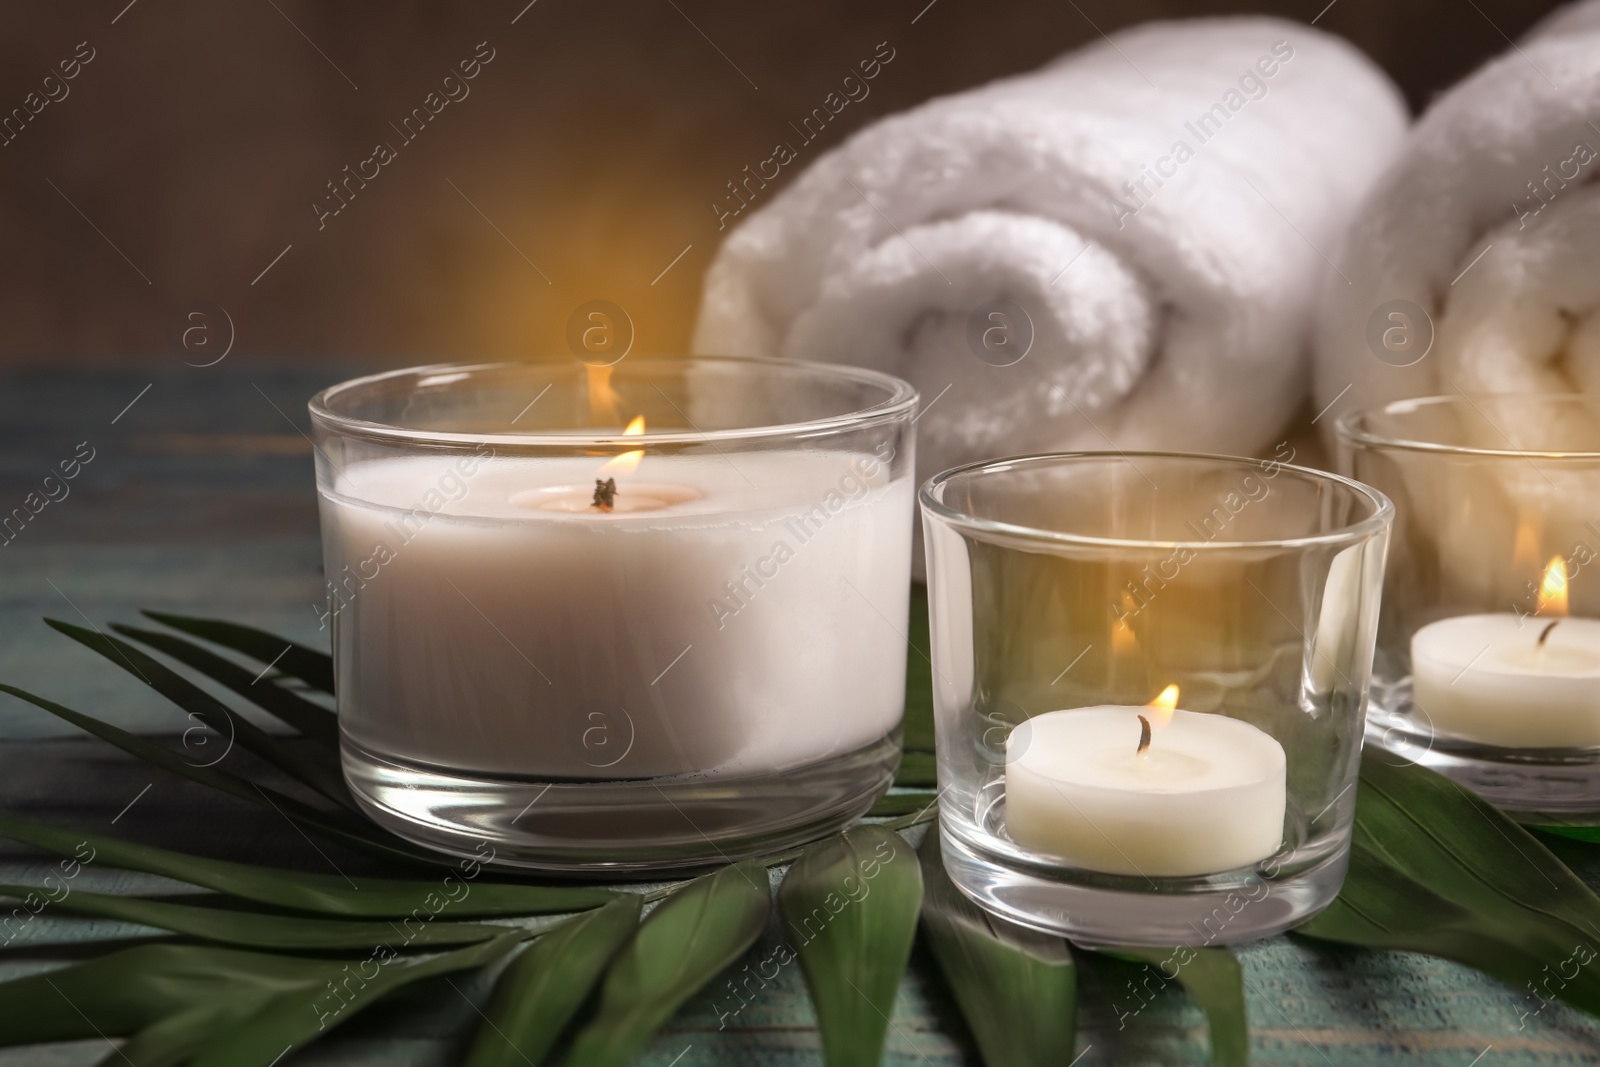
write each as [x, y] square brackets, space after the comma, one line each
[319, 771]
[1017, 989]
[322, 894]
[310, 666]
[850, 907]
[314, 722]
[300, 1014]
[1436, 869]
[1589, 834]
[1214, 980]
[916, 770]
[126, 991]
[695, 934]
[176, 1038]
[538, 994]
[917, 728]
[903, 804]
[344, 827]
[258, 929]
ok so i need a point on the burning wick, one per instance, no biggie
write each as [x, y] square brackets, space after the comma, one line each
[1161, 710]
[605, 493]
[1544, 635]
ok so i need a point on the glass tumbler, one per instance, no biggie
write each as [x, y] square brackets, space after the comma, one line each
[617, 618]
[1150, 679]
[1488, 659]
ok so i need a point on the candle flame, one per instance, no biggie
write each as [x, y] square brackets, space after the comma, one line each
[627, 462]
[1553, 590]
[1163, 705]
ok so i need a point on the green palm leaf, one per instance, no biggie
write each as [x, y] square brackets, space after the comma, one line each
[340, 826]
[126, 991]
[542, 989]
[254, 929]
[1436, 869]
[319, 770]
[315, 722]
[1214, 980]
[324, 894]
[686, 942]
[916, 769]
[850, 908]
[176, 1038]
[299, 1015]
[907, 803]
[310, 666]
[918, 726]
[1590, 834]
[1017, 989]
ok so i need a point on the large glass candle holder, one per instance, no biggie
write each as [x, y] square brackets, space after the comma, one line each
[1150, 677]
[1488, 660]
[623, 618]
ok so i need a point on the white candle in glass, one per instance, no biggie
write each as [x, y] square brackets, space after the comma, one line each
[1206, 794]
[1509, 680]
[727, 615]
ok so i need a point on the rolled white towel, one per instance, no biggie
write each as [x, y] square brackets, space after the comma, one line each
[1485, 236]
[1564, 21]
[1157, 204]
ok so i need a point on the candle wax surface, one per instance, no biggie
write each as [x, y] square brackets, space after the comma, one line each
[639, 496]
[493, 622]
[1207, 796]
[1484, 678]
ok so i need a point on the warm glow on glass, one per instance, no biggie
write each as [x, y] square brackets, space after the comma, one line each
[602, 397]
[1122, 639]
[1525, 548]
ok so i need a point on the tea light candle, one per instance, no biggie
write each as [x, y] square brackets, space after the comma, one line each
[706, 615]
[1097, 788]
[1512, 681]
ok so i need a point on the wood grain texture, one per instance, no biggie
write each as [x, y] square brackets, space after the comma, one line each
[230, 531]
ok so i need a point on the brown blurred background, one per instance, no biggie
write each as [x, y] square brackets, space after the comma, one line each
[186, 155]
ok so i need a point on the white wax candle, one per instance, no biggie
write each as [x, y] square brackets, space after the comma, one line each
[738, 620]
[1486, 678]
[1206, 796]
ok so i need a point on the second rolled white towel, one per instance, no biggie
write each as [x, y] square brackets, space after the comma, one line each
[1475, 263]
[1146, 219]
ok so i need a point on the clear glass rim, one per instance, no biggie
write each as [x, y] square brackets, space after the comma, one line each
[1348, 426]
[1381, 517]
[900, 398]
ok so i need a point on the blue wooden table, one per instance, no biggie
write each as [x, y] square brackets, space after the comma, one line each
[198, 498]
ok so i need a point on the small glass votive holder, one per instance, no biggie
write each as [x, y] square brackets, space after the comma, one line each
[617, 619]
[1150, 678]
[1487, 668]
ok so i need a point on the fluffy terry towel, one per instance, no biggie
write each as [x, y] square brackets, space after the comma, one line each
[1489, 226]
[1156, 204]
